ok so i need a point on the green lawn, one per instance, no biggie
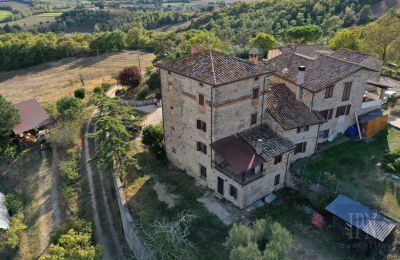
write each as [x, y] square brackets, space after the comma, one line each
[354, 169]
[4, 14]
[49, 14]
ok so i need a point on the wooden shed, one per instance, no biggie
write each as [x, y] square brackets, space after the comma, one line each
[373, 122]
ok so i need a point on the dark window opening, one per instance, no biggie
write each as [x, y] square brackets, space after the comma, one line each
[201, 100]
[253, 119]
[201, 125]
[203, 172]
[255, 93]
[233, 191]
[343, 110]
[201, 147]
[300, 148]
[278, 159]
[303, 129]
[346, 91]
[277, 179]
[327, 114]
[329, 92]
[324, 133]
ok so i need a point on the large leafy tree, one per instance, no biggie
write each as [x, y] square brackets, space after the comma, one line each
[264, 41]
[9, 117]
[130, 76]
[347, 38]
[70, 108]
[382, 38]
[153, 137]
[306, 33]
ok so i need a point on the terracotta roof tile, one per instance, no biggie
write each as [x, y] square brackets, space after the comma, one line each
[213, 68]
[273, 144]
[290, 113]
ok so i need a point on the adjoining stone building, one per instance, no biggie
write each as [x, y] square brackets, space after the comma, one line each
[236, 125]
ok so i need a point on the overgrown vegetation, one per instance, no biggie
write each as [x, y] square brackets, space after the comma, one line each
[9, 117]
[153, 138]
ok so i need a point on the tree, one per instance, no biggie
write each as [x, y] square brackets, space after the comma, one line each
[306, 33]
[13, 234]
[9, 117]
[247, 242]
[153, 137]
[70, 108]
[130, 76]
[381, 38]
[112, 147]
[365, 15]
[13, 203]
[349, 38]
[264, 41]
[153, 80]
[80, 93]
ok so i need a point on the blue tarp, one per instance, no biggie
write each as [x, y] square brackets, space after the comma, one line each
[362, 217]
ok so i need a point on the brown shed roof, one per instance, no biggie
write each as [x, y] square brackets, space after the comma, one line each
[290, 113]
[213, 68]
[32, 116]
[273, 144]
[240, 156]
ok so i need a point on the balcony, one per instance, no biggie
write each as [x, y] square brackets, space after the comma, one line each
[242, 178]
[371, 100]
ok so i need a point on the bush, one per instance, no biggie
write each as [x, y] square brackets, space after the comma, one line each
[98, 91]
[154, 80]
[152, 138]
[391, 162]
[80, 93]
[70, 108]
[105, 86]
[130, 76]
[13, 203]
[158, 95]
[121, 91]
[69, 172]
[64, 134]
[13, 234]
[142, 94]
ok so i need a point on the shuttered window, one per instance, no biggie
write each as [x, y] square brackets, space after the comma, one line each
[329, 92]
[346, 91]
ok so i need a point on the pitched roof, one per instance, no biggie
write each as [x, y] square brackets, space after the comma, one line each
[349, 55]
[273, 144]
[319, 74]
[32, 116]
[287, 110]
[240, 156]
[312, 51]
[213, 68]
[353, 212]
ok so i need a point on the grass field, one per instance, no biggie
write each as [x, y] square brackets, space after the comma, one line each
[16, 5]
[4, 14]
[48, 82]
[32, 22]
[49, 14]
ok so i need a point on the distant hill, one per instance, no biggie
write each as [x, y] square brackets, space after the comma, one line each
[379, 9]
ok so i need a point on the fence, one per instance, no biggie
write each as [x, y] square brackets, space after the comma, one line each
[131, 231]
[139, 103]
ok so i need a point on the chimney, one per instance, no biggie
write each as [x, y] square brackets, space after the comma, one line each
[259, 146]
[254, 55]
[299, 83]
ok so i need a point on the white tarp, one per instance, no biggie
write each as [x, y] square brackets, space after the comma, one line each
[4, 217]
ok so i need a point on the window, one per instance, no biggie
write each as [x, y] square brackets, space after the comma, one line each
[201, 125]
[327, 114]
[324, 133]
[203, 172]
[201, 147]
[277, 179]
[278, 159]
[233, 191]
[303, 129]
[253, 119]
[300, 148]
[329, 92]
[201, 100]
[255, 93]
[346, 91]
[343, 110]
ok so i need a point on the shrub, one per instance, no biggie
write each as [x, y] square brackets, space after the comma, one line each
[154, 80]
[105, 86]
[130, 76]
[98, 91]
[69, 172]
[10, 152]
[142, 94]
[158, 95]
[391, 162]
[51, 109]
[80, 93]
[14, 232]
[152, 137]
[64, 134]
[70, 108]
[13, 203]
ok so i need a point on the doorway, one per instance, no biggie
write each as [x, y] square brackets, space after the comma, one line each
[220, 186]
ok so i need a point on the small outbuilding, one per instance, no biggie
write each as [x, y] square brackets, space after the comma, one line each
[373, 122]
[33, 119]
[360, 222]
